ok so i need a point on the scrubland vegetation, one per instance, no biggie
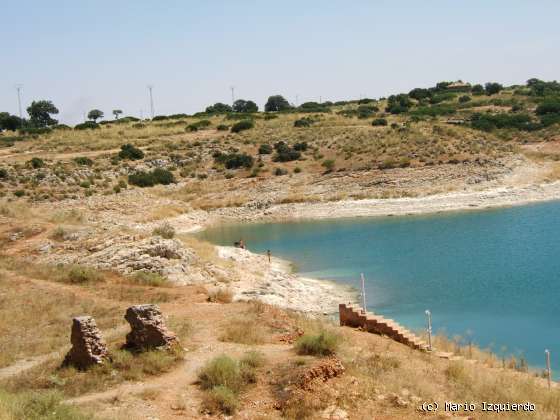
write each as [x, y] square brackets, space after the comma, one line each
[449, 124]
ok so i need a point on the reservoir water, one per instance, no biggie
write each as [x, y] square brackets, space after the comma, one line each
[491, 276]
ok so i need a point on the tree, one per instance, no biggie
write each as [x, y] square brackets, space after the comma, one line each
[276, 103]
[477, 90]
[492, 88]
[116, 113]
[419, 94]
[218, 108]
[9, 122]
[40, 113]
[95, 114]
[242, 105]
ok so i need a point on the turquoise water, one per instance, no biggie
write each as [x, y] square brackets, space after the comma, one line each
[489, 276]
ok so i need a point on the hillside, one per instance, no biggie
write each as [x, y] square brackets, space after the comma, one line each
[97, 218]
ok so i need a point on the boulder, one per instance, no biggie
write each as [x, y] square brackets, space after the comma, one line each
[148, 328]
[88, 348]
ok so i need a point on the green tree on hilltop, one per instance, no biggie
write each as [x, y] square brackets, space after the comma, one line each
[40, 113]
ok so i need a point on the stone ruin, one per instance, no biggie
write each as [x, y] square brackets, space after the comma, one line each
[88, 348]
[148, 329]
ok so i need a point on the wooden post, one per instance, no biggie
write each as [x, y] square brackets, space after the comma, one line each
[548, 370]
[363, 293]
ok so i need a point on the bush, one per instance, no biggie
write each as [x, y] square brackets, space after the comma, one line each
[222, 127]
[464, 98]
[434, 111]
[19, 193]
[166, 231]
[128, 151]
[270, 117]
[88, 125]
[303, 122]
[221, 371]
[301, 146]
[366, 111]
[242, 125]
[265, 149]
[82, 274]
[328, 165]
[234, 160]
[36, 163]
[378, 122]
[84, 161]
[147, 278]
[3, 173]
[198, 125]
[160, 118]
[34, 130]
[323, 344]
[285, 153]
[488, 122]
[149, 179]
[549, 106]
[220, 399]
[280, 171]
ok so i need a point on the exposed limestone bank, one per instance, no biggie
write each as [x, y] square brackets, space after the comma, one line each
[468, 200]
[274, 284]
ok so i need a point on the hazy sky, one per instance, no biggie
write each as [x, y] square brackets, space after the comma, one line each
[101, 54]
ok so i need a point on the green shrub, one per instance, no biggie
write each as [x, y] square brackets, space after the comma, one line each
[265, 149]
[303, 122]
[128, 151]
[85, 184]
[34, 130]
[149, 179]
[270, 117]
[88, 125]
[19, 193]
[160, 118]
[280, 171]
[147, 278]
[285, 153]
[242, 125]
[234, 160]
[221, 371]
[488, 122]
[378, 122]
[434, 111]
[549, 106]
[3, 173]
[465, 98]
[222, 127]
[301, 146]
[323, 344]
[366, 111]
[36, 163]
[297, 170]
[83, 274]
[220, 399]
[84, 161]
[328, 164]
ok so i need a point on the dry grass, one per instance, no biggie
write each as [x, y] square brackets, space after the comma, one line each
[36, 320]
[124, 366]
[245, 331]
[220, 295]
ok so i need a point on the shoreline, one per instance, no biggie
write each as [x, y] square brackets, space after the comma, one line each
[275, 283]
[431, 204]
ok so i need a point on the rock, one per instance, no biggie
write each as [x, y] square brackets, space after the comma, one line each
[148, 328]
[334, 413]
[88, 348]
[328, 368]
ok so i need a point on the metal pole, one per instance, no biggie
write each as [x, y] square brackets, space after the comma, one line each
[429, 315]
[232, 95]
[363, 292]
[150, 87]
[548, 371]
[18, 88]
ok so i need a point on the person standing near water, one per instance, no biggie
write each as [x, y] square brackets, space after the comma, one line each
[268, 253]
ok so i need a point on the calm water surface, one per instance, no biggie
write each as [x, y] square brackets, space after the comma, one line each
[491, 277]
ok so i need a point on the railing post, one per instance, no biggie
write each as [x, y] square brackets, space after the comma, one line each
[548, 370]
[429, 315]
[363, 293]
